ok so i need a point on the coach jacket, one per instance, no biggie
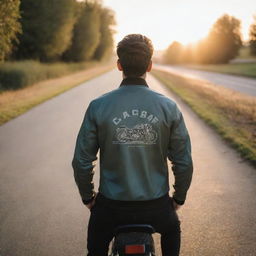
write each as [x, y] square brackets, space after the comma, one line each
[135, 130]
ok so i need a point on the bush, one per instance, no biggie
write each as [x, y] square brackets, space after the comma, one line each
[16, 75]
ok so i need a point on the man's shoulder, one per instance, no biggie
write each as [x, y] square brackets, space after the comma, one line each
[163, 98]
[105, 96]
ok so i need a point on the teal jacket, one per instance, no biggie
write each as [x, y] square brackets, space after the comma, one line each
[135, 130]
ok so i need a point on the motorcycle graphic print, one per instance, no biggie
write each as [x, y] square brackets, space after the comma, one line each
[139, 134]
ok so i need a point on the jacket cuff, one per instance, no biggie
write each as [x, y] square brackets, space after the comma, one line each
[89, 200]
[178, 201]
[85, 202]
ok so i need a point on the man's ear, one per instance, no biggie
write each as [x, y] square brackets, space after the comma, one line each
[149, 66]
[119, 65]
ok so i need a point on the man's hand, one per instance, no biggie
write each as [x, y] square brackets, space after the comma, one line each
[91, 204]
[176, 206]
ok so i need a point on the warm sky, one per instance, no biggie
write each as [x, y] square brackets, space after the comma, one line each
[164, 21]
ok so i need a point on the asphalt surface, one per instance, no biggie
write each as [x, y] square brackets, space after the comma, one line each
[41, 213]
[240, 84]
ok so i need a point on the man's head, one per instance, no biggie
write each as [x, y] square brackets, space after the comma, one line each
[134, 53]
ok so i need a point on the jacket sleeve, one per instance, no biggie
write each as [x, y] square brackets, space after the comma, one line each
[85, 155]
[179, 153]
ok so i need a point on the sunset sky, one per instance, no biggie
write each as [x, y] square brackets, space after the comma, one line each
[183, 20]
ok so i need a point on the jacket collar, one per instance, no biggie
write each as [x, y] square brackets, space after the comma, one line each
[133, 81]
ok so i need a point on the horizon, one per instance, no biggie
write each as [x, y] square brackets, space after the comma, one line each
[185, 26]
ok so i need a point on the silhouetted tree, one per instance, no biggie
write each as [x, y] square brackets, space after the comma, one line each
[105, 47]
[223, 42]
[252, 37]
[173, 53]
[9, 26]
[86, 35]
[188, 53]
[47, 28]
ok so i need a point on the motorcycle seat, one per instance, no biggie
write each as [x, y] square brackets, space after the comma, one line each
[144, 228]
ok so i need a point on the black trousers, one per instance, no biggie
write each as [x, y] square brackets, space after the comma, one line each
[107, 214]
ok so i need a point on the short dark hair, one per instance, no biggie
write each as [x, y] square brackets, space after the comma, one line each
[134, 53]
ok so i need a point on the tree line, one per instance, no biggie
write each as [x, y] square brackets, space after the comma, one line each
[55, 30]
[220, 46]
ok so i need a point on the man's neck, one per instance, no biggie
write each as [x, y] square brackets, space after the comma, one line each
[143, 76]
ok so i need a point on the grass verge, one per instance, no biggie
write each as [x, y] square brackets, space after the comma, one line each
[244, 53]
[19, 74]
[14, 103]
[231, 114]
[239, 69]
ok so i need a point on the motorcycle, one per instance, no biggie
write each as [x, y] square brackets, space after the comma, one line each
[142, 133]
[133, 240]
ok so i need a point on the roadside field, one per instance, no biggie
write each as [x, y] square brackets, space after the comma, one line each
[16, 102]
[244, 53]
[230, 113]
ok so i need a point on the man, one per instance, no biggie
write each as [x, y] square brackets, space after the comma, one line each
[136, 130]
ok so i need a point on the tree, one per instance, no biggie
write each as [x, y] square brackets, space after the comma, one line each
[86, 35]
[9, 26]
[173, 53]
[105, 46]
[252, 37]
[188, 53]
[47, 28]
[223, 41]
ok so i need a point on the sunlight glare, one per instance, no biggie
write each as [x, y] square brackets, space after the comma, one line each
[186, 21]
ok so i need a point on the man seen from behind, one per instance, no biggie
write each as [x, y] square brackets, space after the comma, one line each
[136, 130]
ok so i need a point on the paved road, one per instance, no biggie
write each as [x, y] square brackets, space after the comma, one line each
[41, 213]
[241, 84]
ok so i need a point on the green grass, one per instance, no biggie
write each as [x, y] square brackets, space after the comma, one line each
[232, 115]
[16, 102]
[244, 53]
[19, 74]
[240, 69]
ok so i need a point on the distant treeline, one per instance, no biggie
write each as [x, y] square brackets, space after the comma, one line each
[220, 46]
[55, 30]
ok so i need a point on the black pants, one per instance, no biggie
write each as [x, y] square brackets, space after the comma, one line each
[107, 214]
